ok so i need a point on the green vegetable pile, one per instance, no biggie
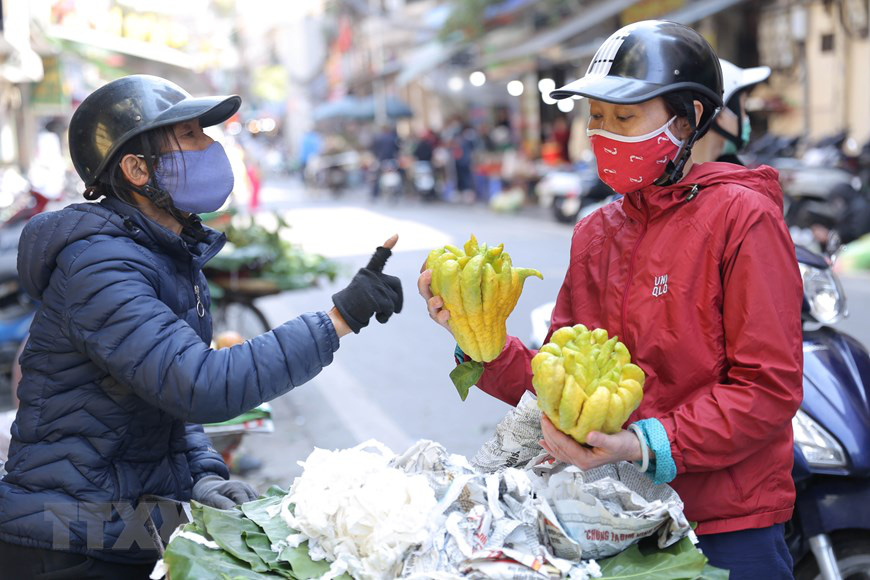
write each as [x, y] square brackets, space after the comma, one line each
[254, 251]
[246, 535]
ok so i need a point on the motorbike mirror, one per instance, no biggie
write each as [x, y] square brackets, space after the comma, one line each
[834, 246]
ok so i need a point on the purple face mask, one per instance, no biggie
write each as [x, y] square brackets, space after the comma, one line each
[197, 181]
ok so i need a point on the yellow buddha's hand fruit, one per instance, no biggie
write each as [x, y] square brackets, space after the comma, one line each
[585, 381]
[480, 288]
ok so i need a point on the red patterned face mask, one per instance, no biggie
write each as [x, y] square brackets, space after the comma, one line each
[627, 164]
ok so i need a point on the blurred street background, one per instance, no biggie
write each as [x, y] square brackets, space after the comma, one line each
[427, 118]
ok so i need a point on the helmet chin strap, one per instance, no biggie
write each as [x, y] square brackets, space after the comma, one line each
[736, 139]
[674, 170]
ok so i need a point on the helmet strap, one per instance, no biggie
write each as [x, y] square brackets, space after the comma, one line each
[674, 170]
[736, 139]
[734, 106]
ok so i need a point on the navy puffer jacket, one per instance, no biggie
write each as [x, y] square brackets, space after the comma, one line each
[118, 372]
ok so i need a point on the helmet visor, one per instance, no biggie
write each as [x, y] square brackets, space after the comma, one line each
[209, 110]
[625, 91]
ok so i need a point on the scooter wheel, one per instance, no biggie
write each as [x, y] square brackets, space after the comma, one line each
[853, 558]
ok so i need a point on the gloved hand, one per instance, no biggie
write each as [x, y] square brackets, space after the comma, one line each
[217, 492]
[370, 293]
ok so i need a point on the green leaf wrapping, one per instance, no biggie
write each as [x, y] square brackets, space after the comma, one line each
[678, 562]
[187, 560]
[246, 536]
[259, 543]
[274, 527]
[466, 376]
[303, 566]
[226, 528]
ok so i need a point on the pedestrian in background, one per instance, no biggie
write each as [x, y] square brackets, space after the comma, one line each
[386, 147]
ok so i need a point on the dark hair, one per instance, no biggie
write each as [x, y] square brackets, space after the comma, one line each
[149, 145]
[681, 104]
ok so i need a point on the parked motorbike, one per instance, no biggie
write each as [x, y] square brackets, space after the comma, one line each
[763, 150]
[829, 533]
[17, 309]
[568, 189]
[333, 172]
[822, 174]
[390, 179]
[424, 180]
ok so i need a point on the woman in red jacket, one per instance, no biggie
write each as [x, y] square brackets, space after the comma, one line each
[695, 271]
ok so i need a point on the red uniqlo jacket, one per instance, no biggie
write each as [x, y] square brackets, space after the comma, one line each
[702, 286]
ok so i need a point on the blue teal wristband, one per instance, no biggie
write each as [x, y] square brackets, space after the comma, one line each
[657, 439]
[459, 355]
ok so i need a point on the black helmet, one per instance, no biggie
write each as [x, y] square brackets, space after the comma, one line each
[648, 59]
[129, 106]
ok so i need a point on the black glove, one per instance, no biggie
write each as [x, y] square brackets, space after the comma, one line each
[370, 293]
[217, 492]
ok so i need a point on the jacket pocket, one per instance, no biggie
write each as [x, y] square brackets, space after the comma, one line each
[735, 481]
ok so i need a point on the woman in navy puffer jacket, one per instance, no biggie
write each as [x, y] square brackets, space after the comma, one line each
[118, 373]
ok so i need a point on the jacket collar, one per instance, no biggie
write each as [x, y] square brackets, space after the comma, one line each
[153, 235]
[652, 201]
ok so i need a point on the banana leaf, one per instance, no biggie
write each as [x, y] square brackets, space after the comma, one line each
[682, 561]
[226, 528]
[246, 536]
[303, 566]
[260, 543]
[187, 560]
[275, 528]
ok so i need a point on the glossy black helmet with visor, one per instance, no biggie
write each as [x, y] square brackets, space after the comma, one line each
[650, 59]
[129, 106]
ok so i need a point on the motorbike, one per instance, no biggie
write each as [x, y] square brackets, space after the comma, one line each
[568, 190]
[424, 180]
[821, 175]
[17, 309]
[390, 179]
[333, 172]
[829, 533]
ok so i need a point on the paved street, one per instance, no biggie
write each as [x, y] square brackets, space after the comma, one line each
[391, 381]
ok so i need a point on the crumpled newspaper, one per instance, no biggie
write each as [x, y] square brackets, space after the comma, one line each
[511, 512]
[584, 514]
[489, 527]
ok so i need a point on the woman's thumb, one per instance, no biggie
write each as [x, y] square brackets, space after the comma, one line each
[597, 439]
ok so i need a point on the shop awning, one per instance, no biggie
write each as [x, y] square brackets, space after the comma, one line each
[691, 13]
[424, 59]
[360, 109]
[138, 49]
[588, 17]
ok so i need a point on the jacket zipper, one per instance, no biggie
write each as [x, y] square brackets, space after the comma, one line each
[200, 309]
[631, 264]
